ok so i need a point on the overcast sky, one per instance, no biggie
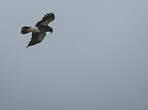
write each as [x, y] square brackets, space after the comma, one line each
[96, 58]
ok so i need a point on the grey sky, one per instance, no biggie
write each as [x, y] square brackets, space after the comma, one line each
[96, 58]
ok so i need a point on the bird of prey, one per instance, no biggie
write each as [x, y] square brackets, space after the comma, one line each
[39, 30]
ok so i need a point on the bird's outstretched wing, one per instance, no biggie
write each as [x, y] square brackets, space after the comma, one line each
[49, 17]
[36, 38]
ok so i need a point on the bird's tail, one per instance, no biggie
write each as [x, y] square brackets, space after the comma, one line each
[26, 29]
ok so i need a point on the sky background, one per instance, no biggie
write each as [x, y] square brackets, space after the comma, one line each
[96, 58]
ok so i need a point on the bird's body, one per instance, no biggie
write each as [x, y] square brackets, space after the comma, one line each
[35, 29]
[39, 30]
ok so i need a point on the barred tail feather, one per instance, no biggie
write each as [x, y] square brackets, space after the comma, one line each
[26, 29]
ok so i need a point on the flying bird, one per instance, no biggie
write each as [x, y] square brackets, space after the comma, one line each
[39, 30]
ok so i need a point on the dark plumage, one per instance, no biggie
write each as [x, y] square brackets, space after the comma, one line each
[46, 19]
[39, 30]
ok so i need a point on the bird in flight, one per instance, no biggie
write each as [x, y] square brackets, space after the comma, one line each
[39, 30]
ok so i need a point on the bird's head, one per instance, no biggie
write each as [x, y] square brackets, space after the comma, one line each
[50, 29]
